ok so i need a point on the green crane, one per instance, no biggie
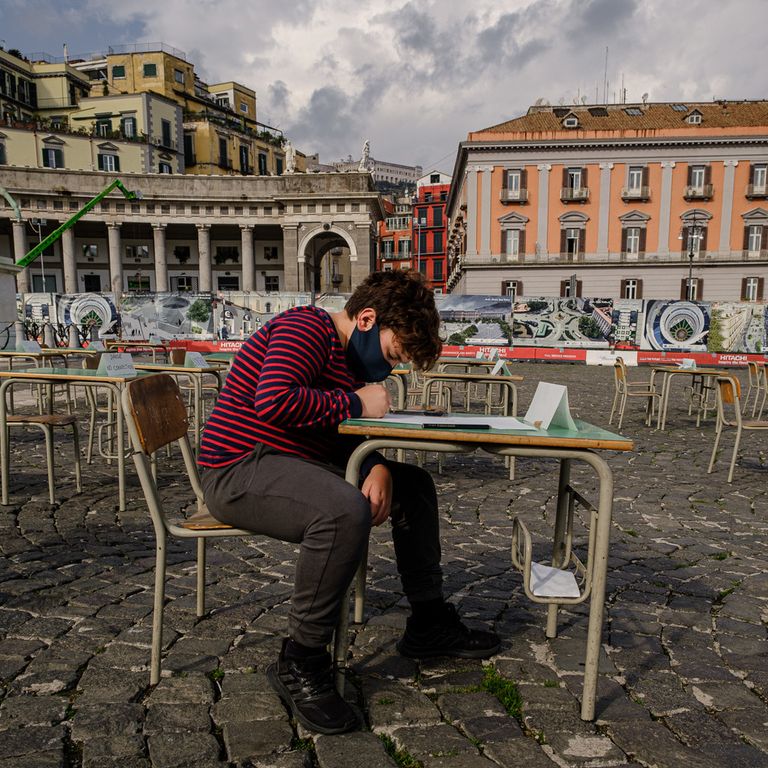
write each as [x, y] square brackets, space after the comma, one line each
[56, 234]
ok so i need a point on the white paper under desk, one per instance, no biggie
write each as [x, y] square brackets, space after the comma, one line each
[455, 420]
[547, 581]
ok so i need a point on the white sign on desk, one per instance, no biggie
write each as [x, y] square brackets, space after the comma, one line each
[195, 360]
[549, 407]
[116, 364]
[29, 345]
[500, 368]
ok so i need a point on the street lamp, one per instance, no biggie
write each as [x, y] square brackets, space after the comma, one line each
[37, 227]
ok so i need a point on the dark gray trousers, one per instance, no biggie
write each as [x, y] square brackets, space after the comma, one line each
[311, 504]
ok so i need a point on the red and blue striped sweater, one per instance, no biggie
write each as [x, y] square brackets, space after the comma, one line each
[289, 387]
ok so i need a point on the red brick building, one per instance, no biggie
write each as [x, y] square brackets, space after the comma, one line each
[430, 228]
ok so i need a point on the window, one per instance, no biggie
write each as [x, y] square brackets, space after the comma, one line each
[183, 284]
[223, 101]
[178, 76]
[694, 118]
[404, 248]
[630, 288]
[421, 216]
[512, 244]
[3, 158]
[270, 253]
[150, 70]
[118, 72]
[635, 179]
[437, 242]
[571, 242]
[91, 283]
[128, 127]
[437, 217]
[226, 253]
[223, 156]
[513, 182]
[138, 283]
[511, 288]
[90, 251]
[228, 282]
[434, 178]
[691, 290]
[137, 252]
[679, 107]
[387, 249]
[437, 269]
[632, 241]
[182, 253]
[574, 178]
[571, 122]
[165, 168]
[697, 176]
[108, 162]
[754, 238]
[245, 166]
[48, 287]
[570, 288]
[271, 283]
[53, 158]
[243, 107]
[165, 130]
[103, 127]
[694, 236]
[422, 242]
[634, 111]
[279, 166]
[752, 289]
[759, 176]
[262, 164]
[189, 149]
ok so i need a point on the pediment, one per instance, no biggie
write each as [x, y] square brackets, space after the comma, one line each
[696, 215]
[51, 139]
[756, 214]
[573, 217]
[108, 146]
[513, 218]
[634, 217]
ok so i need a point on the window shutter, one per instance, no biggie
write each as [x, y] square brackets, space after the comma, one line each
[563, 284]
[760, 283]
[623, 289]
[690, 176]
[584, 178]
[751, 173]
[763, 238]
[623, 241]
[707, 174]
[703, 241]
[746, 238]
[639, 290]
[645, 176]
[582, 238]
[684, 242]
[117, 163]
[642, 240]
[46, 160]
[59, 154]
[521, 247]
[579, 292]
[520, 288]
[523, 179]
[562, 242]
[504, 242]
[565, 177]
[699, 289]
[683, 291]
[100, 160]
[505, 179]
[743, 288]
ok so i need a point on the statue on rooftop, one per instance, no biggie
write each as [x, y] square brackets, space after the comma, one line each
[364, 160]
[290, 158]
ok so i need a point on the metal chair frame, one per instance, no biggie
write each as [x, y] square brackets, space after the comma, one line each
[626, 389]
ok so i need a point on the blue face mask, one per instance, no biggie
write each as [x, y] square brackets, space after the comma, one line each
[364, 355]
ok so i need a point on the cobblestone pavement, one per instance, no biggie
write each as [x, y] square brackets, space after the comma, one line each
[684, 670]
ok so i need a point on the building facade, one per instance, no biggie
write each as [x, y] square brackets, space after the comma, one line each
[624, 200]
[299, 232]
[395, 242]
[430, 227]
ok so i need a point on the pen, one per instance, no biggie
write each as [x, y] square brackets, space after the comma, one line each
[430, 412]
[453, 425]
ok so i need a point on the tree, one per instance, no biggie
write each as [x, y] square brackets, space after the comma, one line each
[589, 327]
[199, 311]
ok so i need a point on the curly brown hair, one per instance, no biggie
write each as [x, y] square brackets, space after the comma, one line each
[404, 303]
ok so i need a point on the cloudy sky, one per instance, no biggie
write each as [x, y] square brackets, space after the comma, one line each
[414, 77]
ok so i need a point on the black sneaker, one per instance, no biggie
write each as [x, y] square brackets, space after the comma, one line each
[447, 637]
[306, 687]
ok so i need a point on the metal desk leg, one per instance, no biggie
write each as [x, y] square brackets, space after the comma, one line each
[120, 451]
[558, 542]
[197, 387]
[665, 387]
[4, 458]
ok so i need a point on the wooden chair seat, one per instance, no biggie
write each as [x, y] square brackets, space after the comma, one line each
[204, 521]
[51, 419]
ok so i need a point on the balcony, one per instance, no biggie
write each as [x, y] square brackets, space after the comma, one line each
[514, 196]
[629, 194]
[757, 191]
[574, 194]
[165, 143]
[702, 192]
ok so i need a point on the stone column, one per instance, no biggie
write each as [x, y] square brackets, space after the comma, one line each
[20, 248]
[70, 275]
[605, 210]
[161, 263]
[204, 256]
[665, 207]
[485, 210]
[115, 259]
[472, 211]
[542, 213]
[293, 261]
[724, 247]
[246, 252]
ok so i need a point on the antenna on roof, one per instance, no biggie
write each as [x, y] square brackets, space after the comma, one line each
[584, 99]
[538, 101]
[605, 78]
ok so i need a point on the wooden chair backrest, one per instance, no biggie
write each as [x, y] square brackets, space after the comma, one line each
[157, 410]
[619, 372]
[91, 362]
[729, 388]
[177, 356]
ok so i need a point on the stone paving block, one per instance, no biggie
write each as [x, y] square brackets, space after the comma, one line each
[98, 721]
[725, 696]
[177, 718]
[47, 677]
[183, 750]
[105, 686]
[246, 740]
[459, 707]
[118, 747]
[180, 690]
[242, 708]
[247, 684]
[46, 759]
[391, 705]
[32, 710]
[432, 741]
[18, 742]
[518, 752]
[352, 750]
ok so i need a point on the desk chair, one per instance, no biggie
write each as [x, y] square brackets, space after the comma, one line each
[157, 417]
[48, 422]
[625, 389]
[755, 384]
[729, 415]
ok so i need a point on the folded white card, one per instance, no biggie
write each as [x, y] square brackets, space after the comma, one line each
[195, 360]
[116, 364]
[547, 581]
[549, 407]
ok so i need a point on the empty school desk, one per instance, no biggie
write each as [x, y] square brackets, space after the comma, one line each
[705, 377]
[50, 377]
[505, 381]
[566, 446]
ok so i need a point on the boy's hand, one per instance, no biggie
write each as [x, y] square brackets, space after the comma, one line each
[377, 488]
[375, 400]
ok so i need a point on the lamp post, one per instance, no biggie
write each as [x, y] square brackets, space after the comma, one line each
[418, 245]
[37, 227]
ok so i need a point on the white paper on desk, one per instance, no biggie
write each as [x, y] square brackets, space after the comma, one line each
[547, 581]
[28, 345]
[195, 360]
[116, 364]
[456, 420]
[499, 367]
[687, 363]
[549, 407]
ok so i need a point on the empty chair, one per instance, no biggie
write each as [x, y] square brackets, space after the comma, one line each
[625, 389]
[157, 417]
[755, 380]
[728, 389]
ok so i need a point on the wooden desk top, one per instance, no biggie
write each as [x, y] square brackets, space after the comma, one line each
[689, 371]
[180, 368]
[73, 375]
[492, 378]
[587, 436]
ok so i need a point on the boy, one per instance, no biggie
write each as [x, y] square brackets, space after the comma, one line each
[273, 463]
